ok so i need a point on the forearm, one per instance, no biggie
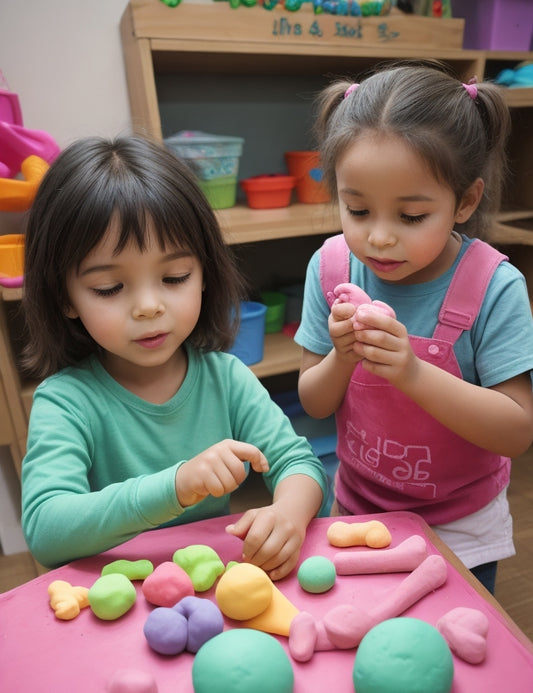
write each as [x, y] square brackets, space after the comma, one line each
[496, 420]
[301, 497]
[61, 527]
[322, 386]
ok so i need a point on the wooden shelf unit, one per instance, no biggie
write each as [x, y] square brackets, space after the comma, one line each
[251, 47]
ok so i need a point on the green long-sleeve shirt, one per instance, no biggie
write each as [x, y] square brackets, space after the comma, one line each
[101, 462]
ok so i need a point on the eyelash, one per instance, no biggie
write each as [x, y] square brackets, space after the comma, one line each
[105, 293]
[418, 219]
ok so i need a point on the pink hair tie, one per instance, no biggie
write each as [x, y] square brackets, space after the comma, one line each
[471, 89]
[351, 88]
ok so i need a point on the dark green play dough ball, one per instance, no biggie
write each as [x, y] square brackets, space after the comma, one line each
[404, 655]
[242, 660]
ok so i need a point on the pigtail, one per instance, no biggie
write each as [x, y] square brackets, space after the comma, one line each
[496, 120]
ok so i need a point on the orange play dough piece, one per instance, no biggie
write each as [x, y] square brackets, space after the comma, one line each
[373, 534]
[246, 593]
[67, 600]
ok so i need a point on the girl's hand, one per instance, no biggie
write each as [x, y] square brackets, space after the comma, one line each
[272, 540]
[384, 346]
[216, 471]
[342, 332]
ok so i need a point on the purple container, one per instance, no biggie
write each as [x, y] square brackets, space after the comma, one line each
[502, 25]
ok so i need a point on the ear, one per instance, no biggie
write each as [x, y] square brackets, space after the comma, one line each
[70, 312]
[470, 201]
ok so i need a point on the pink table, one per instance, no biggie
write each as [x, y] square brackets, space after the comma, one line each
[40, 654]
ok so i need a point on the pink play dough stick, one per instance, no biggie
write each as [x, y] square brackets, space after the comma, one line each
[429, 575]
[402, 558]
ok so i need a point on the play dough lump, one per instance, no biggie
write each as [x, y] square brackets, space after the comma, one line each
[242, 661]
[317, 574]
[111, 596]
[201, 563]
[404, 655]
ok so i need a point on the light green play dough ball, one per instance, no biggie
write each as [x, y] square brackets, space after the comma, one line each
[111, 596]
[242, 661]
[404, 655]
[317, 574]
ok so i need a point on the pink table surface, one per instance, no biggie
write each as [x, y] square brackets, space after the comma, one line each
[40, 654]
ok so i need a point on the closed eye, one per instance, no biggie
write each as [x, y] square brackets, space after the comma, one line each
[176, 280]
[357, 212]
[414, 219]
[109, 292]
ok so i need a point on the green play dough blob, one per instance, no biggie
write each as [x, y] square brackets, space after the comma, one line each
[317, 574]
[404, 655]
[134, 570]
[201, 563]
[112, 596]
[242, 661]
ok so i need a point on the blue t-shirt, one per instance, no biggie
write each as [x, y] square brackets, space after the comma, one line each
[498, 347]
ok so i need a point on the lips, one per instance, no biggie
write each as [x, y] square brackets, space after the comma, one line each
[153, 341]
[384, 266]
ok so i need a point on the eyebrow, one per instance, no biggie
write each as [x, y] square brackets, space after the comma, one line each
[175, 255]
[404, 198]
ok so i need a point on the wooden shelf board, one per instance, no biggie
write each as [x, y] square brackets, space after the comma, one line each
[281, 355]
[240, 224]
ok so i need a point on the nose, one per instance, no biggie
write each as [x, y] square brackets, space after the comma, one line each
[381, 236]
[147, 305]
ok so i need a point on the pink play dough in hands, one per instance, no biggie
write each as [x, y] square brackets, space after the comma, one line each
[351, 293]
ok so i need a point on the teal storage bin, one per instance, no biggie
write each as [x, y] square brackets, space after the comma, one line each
[250, 341]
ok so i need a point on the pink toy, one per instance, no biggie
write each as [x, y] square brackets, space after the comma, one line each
[465, 630]
[350, 293]
[402, 558]
[17, 143]
[345, 626]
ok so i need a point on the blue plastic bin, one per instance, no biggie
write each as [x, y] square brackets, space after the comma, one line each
[250, 341]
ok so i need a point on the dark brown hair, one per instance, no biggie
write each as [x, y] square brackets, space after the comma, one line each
[136, 181]
[461, 138]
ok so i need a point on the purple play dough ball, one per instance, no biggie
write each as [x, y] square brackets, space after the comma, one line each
[166, 631]
[204, 619]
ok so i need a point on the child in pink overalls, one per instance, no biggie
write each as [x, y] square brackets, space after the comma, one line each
[432, 403]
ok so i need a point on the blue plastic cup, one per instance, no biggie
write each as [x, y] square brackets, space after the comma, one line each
[250, 340]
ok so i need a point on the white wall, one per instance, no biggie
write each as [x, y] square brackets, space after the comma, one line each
[64, 60]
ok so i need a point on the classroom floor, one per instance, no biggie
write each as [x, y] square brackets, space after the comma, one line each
[514, 584]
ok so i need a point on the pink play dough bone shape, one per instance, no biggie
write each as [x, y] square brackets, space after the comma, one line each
[351, 293]
[345, 626]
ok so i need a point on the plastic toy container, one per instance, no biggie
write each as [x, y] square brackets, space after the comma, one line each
[268, 191]
[504, 25]
[250, 341]
[215, 161]
[275, 301]
[11, 259]
[305, 167]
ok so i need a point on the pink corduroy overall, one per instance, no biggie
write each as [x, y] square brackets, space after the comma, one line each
[393, 455]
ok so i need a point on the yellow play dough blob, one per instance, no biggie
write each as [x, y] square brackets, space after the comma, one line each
[244, 592]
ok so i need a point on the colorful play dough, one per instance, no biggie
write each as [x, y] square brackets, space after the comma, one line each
[465, 630]
[403, 558]
[201, 563]
[351, 293]
[246, 593]
[66, 600]
[133, 570]
[404, 655]
[111, 596]
[242, 661]
[317, 574]
[131, 681]
[167, 585]
[187, 626]
[373, 534]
